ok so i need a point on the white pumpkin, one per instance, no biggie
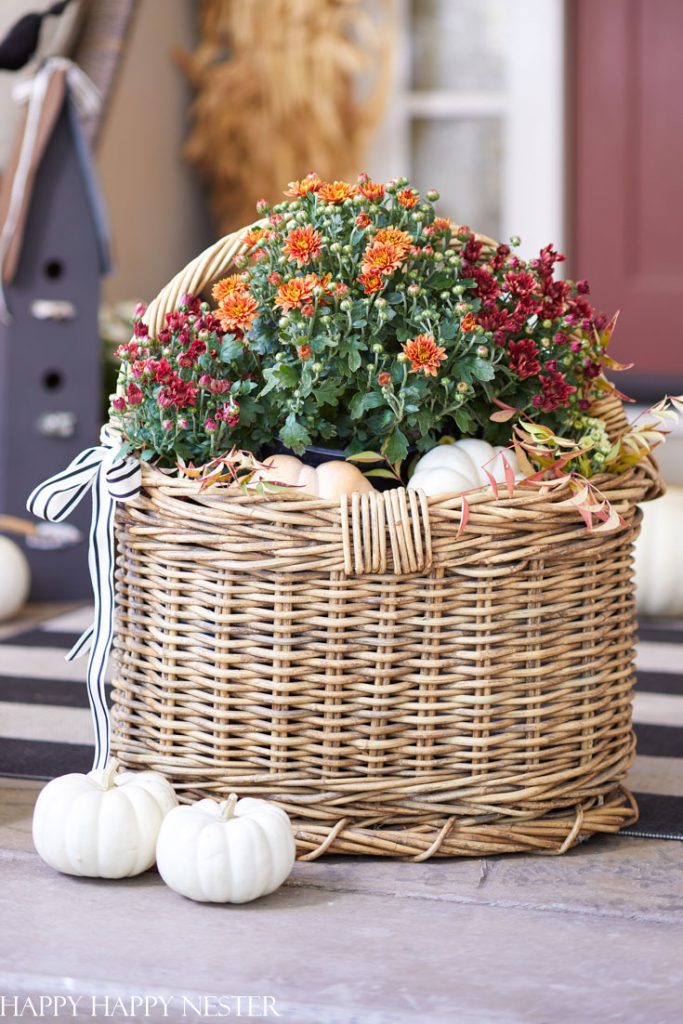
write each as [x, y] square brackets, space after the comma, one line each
[454, 468]
[104, 824]
[230, 852]
[659, 556]
[15, 579]
[330, 480]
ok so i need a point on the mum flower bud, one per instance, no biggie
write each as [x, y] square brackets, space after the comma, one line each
[482, 351]
[432, 195]
[463, 388]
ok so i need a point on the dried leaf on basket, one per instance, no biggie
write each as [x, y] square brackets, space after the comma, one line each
[283, 86]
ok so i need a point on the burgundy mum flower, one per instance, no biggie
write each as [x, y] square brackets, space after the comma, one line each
[520, 283]
[555, 392]
[523, 358]
[134, 394]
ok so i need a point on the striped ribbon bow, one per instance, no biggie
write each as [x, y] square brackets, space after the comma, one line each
[111, 480]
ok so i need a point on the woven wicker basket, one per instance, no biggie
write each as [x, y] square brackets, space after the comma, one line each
[398, 689]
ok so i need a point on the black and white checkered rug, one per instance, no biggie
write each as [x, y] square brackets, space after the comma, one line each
[45, 727]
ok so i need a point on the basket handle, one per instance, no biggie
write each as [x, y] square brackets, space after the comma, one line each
[367, 520]
[199, 273]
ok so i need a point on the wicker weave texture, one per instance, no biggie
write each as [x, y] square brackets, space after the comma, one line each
[398, 688]
[399, 685]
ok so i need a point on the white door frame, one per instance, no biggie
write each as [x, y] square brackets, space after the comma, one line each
[532, 109]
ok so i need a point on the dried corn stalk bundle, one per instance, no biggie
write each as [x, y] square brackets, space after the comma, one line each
[283, 86]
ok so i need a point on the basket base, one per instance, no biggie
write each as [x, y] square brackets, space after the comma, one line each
[552, 834]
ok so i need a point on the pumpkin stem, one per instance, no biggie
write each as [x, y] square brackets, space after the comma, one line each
[227, 807]
[104, 777]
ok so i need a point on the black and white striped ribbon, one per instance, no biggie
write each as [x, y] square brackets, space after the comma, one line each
[111, 480]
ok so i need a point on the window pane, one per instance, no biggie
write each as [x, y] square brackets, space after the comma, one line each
[462, 159]
[458, 44]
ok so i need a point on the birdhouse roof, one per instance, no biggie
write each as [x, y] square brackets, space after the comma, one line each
[57, 99]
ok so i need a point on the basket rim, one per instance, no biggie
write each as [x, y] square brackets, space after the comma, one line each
[644, 473]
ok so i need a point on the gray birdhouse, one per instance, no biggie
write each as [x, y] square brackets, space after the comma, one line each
[54, 253]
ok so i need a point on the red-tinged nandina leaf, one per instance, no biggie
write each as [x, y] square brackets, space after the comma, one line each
[366, 457]
[522, 461]
[605, 335]
[537, 478]
[621, 395]
[509, 475]
[558, 465]
[577, 500]
[668, 414]
[464, 516]
[612, 522]
[587, 517]
[493, 482]
[502, 416]
[612, 364]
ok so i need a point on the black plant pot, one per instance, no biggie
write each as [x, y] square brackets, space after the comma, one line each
[315, 456]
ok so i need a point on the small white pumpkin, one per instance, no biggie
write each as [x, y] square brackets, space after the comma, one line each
[330, 480]
[230, 852]
[104, 824]
[454, 468]
[659, 556]
[15, 579]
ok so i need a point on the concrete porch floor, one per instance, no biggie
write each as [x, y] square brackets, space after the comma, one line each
[596, 935]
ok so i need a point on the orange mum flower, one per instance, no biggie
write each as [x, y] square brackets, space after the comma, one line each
[382, 258]
[371, 190]
[296, 189]
[424, 354]
[337, 191]
[394, 236]
[293, 293]
[229, 285]
[304, 351]
[303, 245]
[371, 283]
[237, 311]
[408, 197]
[468, 323]
[442, 225]
[252, 236]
